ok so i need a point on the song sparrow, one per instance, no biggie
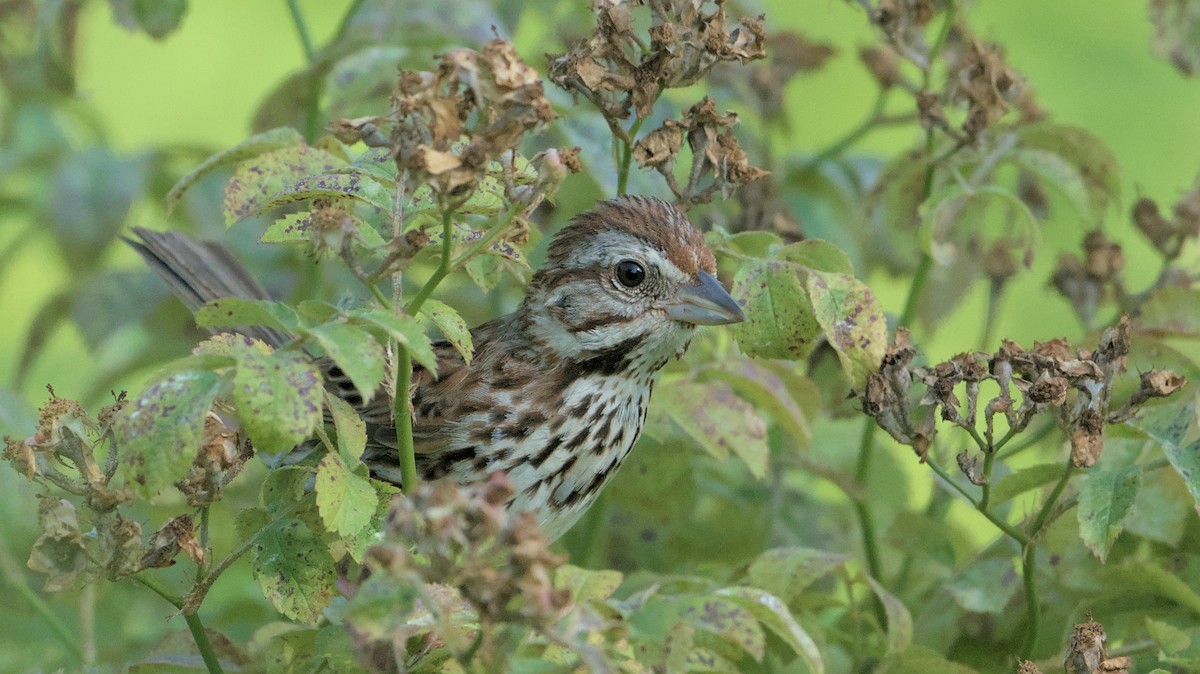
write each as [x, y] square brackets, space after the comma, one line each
[557, 392]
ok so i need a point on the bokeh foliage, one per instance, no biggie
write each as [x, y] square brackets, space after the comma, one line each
[1029, 225]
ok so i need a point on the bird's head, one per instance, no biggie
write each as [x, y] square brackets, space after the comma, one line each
[630, 274]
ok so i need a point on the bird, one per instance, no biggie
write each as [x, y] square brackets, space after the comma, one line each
[558, 390]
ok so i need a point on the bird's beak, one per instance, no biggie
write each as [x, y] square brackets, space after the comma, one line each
[705, 303]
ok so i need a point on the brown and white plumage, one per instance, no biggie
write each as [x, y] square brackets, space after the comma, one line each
[557, 391]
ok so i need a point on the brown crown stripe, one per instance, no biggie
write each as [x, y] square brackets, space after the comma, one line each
[654, 221]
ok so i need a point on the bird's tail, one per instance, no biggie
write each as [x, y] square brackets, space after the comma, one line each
[199, 273]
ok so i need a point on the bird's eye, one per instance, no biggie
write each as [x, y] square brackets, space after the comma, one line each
[630, 273]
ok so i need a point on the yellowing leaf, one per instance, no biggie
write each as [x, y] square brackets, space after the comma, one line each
[852, 321]
[718, 420]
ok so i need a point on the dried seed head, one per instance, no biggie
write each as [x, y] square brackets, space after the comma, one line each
[883, 64]
[1087, 439]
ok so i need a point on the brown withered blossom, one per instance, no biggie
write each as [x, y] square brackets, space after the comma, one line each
[1087, 651]
[1168, 236]
[446, 126]
[1051, 377]
[1096, 277]
[620, 72]
[460, 546]
[719, 164]
[981, 79]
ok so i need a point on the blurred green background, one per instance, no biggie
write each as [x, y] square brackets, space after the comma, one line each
[198, 88]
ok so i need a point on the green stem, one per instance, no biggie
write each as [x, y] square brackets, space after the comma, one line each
[402, 412]
[207, 653]
[1033, 613]
[1051, 501]
[311, 111]
[862, 508]
[1000, 524]
[193, 622]
[866, 522]
[989, 458]
[626, 156]
[486, 240]
[414, 305]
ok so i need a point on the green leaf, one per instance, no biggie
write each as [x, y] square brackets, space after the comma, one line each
[356, 545]
[1171, 312]
[335, 645]
[766, 389]
[351, 430]
[1162, 509]
[755, 244]
[87, 202]
[775, 616]
[159, 17]
[257, 182]
[718, 420]
[345, 499]
[355, 351]
[682, 654]
[1021, 481]
[852, 321]
[899, 620]
[1169, 638]
[779, 316]
[921, 660]
[348, 183]
[406, 330]
[1084, 150]
[817, 255]
[314, 312]
[1169, 425]
[587, 584]
[284, 487]
[161, 430]
[277, 397]
[484, 271]
[728, 620]
[787, 572]
[291, 228]
[1105, 498]
[1058, 174]
[452, 325]
[994, 215]
[986, 586]
[234, 312]
[291, 564]
[1141, 578]
[251, 147]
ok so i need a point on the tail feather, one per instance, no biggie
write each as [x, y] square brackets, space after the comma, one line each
[199, 273]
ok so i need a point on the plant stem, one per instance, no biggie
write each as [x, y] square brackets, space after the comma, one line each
[1000, 524]
[626, 155]
[1038, 522]
[207, 653]
[1033, 613]
[402, 412]
[311, 112]
[193, 622]
[486, 240]
[866, 522]
[414, 305]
